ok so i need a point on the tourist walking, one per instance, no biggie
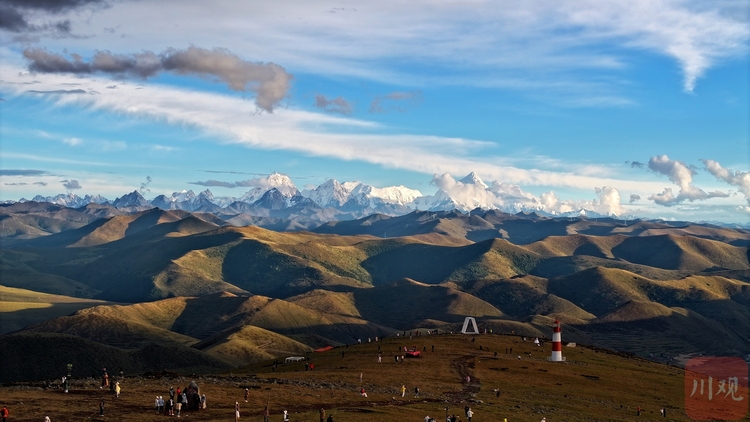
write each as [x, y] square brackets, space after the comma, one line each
[236, 411]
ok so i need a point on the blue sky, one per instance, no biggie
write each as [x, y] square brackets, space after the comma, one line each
[628, 107]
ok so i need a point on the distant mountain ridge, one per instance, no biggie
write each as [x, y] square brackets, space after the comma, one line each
[276, 196]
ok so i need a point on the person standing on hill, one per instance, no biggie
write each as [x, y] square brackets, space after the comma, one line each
[416, 392]
[236, 411]
[322, 415]
[247, 394]
[4, 413]
[101, 407]
[469, 414]
[286, 416]
[403, 391]
[117, 389]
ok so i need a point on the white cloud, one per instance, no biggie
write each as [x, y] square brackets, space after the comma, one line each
[72, 141]
[734, 178]
[681, 175]
[234, 120]
[512, 198]
[521, 44]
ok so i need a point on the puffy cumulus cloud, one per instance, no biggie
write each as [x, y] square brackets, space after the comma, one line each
[269, 81]
[608, 202]
[734, 178]
[336, 105]
[395, 101]
[681, 175]
[510, 191]
[71, 184]
[634, 198]
[470, 193]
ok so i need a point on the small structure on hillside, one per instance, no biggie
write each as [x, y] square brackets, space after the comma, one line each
[465, 329]
[556, 343]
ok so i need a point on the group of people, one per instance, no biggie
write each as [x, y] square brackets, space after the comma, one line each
[188, 399]
[114, 388]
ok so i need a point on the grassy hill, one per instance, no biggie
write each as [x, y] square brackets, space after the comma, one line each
[20, 308]
[191, 282]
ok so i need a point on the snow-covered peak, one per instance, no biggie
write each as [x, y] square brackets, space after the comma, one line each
[330, 194]
[207, 195]
[400, 195]
[182, 196]
[473, 179]
[133, 199]
[277, 180]
[71, 200]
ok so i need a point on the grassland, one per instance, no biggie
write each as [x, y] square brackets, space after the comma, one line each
[591, 386]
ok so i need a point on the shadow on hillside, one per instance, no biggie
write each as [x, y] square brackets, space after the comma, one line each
[427, 263]
[670, 335]
[18, 320]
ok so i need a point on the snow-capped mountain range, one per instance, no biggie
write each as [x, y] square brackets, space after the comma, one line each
[277, 196]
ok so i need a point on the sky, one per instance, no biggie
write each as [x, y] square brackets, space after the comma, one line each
[632, 108]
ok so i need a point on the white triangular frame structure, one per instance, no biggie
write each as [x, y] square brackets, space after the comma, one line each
[466, 326]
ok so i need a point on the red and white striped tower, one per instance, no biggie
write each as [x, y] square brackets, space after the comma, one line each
[556, 343]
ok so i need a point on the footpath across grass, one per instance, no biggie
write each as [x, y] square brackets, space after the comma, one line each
[478, 371]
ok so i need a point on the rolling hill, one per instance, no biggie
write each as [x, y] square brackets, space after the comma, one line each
[230, 294]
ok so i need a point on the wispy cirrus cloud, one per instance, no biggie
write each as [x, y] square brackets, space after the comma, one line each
[19, 172]
[219, 183]
[232, 120]
[395, 101]
[537, 41]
